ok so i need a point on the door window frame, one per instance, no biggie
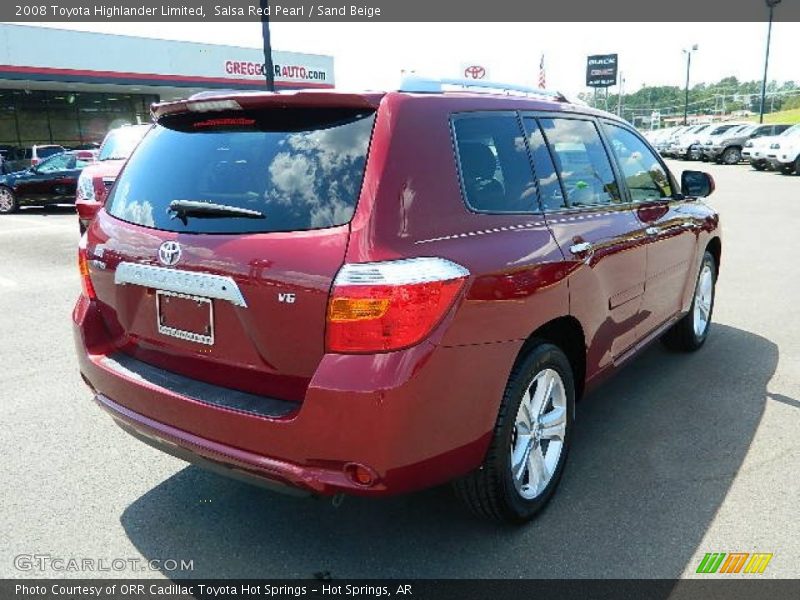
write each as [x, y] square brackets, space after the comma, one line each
[624, 204]
[536, 209]
[676, 194]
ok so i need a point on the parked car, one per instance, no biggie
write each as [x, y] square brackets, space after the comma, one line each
[97, 179]
[728, 149]
[665, 147]
[292, 289]
[709, 147]
[686, 142]
[52, 181]
[660, 139]
[784, 153]
[755, 150]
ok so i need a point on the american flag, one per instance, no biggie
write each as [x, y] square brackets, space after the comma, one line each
[542, 80]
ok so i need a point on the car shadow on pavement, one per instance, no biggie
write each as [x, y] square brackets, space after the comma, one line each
[654, 453]
[45, 211]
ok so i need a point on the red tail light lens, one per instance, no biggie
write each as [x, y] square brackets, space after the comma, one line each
[380, 307]
[83, 268]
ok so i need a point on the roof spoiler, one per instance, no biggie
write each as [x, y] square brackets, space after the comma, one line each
[228, 100]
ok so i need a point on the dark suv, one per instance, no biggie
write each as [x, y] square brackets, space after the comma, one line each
[376, 293]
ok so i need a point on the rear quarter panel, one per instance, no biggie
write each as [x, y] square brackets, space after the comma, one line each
[411, 205]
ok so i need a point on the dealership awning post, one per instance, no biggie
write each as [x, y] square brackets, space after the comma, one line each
[269, 69]
[771, 4]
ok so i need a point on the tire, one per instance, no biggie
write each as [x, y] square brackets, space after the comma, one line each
[732, 156]
[691, 332]
[797, 165]
[492, 491]
[758, 165]
[8, 202]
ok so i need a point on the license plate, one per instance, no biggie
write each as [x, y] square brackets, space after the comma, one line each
[185, 317]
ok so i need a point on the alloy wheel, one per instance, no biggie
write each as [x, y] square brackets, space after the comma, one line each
[703, 297]
[538, 436]
[6, 200]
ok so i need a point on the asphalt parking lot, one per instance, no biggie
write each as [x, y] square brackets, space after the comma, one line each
[678, 456]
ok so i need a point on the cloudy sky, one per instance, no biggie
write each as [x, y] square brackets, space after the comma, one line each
[371, 55]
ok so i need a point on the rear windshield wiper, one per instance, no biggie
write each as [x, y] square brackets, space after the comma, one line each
[182, 209]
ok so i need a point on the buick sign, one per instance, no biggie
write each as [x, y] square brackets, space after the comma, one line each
[169, 253]
[601, 70]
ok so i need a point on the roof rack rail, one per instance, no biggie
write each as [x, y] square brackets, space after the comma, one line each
[415, 83]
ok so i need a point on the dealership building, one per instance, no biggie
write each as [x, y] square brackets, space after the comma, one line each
[69, 87]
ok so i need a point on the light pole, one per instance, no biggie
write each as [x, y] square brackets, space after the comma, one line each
[771, 4]
[688, 54]
[269, 69]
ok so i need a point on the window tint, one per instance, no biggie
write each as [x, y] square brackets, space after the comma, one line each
[494, 164]
[550, 192]
[62, 162]
[301, 168]
[724, 128]
[644, 175]
[582, 162]
[45, 151]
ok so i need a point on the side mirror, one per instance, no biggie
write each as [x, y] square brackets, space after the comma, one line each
[697, 184]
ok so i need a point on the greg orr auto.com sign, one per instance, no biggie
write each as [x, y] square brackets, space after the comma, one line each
[286, 71]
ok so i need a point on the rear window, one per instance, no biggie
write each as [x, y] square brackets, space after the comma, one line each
[301, 169]
[45, 151]
[119, 143]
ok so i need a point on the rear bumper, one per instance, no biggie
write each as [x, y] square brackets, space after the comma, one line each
[414, 418]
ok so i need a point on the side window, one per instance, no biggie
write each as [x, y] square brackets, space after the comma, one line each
[549, 187]
[494, 164]
[646, 178]
[60, 162]
[581, 161]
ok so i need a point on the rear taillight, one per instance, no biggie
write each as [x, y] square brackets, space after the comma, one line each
[384, 306]
[83, 268]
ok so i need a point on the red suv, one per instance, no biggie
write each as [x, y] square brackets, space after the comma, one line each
[376, 293]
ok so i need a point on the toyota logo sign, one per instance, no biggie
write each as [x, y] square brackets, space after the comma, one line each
[475, 72]
[169, 253]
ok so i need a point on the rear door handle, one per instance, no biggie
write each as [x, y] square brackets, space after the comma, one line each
[652, 230]
[581, 248]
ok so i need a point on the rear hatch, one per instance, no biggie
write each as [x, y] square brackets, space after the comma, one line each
[222, 236]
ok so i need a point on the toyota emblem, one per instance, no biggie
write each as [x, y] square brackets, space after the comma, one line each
[169, 253]
[475, 72]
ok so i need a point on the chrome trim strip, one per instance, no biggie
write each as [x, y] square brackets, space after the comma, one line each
[182, 282]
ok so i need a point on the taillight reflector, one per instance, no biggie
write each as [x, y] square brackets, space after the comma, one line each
[385, 306]
[83, 268]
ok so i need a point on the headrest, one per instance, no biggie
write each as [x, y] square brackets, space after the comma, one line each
[477, 160]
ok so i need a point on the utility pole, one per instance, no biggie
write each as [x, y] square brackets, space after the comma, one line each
[621, 92]
[269, 69]
[688, 54]
[771, 4]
